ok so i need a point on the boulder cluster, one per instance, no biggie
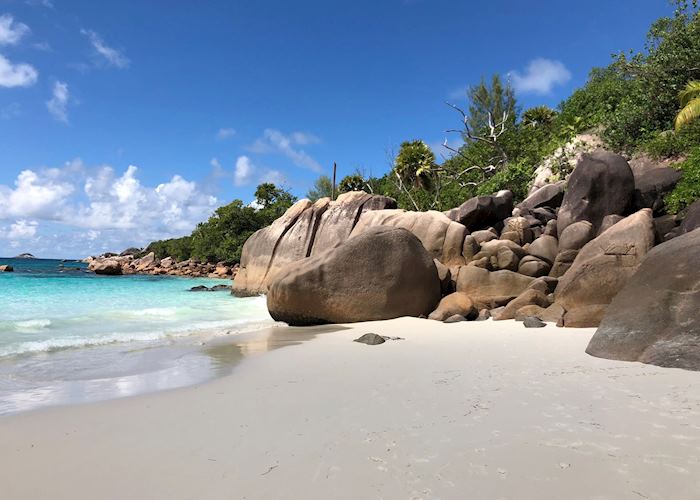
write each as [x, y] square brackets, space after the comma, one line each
[128, 263]
[563, 255]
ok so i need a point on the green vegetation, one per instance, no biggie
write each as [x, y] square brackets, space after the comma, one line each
[322, 188]
[690, 102]
[221, 238]
[688, 189]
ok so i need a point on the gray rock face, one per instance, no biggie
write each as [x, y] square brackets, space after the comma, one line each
[652, 185]
[381, 273]
[533, 322]
[576, 235]
[602, 269]
[692, 218]
[608, 222]
[549, 195]
[602, 184]
[305, 228]
[481, 212]
[655, 319]
[545, 247]
[534, 267]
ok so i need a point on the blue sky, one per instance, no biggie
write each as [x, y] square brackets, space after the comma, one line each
[121, 122]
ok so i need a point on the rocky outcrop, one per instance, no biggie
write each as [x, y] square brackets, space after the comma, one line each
[564, 160]
[491, 289]
[304, 230]
[6, 268]
[453, 304]
[549, 195]
[380, 273]
[602, 269]
[109, 267]
[692, 218]
[24, 256]
[441, 237]
[651, 186]
[654, 319]
[481, 212]
[602, 184]
[150, 265]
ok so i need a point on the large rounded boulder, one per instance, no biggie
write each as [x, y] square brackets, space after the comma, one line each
[381, 273]
[602, 267]
[602, 184]
[655, 319]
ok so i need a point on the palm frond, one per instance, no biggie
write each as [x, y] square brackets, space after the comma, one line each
[690, 112]
[690, 92]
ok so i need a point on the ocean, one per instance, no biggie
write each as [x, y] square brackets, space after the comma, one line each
[67, 335]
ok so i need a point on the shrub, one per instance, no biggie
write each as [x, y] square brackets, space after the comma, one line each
[688, 189]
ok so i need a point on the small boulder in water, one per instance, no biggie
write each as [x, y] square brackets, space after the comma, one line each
[370, 339]
[6, 269]
[200, 288]
[220, 288]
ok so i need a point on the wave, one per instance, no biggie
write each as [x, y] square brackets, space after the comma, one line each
[219, 328]
[32, 325]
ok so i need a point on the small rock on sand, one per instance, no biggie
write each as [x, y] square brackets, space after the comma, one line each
[533, 322]
[370, 339]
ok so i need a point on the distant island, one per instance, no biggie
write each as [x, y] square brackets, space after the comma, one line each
[24, 256]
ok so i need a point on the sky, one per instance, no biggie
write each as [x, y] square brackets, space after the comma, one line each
[124, 122]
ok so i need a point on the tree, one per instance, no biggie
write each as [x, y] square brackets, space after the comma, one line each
[495, 101]
[322, 188]
[272, 201]
[690, 103]
[354, 182]
[415, 169]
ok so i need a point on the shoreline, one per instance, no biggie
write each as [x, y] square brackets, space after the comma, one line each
[489, 408]
[80, 375]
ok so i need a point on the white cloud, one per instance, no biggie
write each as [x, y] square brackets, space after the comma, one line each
[34, 196]
[540, 76]
[112, 56]
[274, 176]
[274, 141]
[123, 203]
[58, 103]
[41, 3]
[11, 32]
[225, 133]
[243, 173]
[43, 46]
[304, 138]
[21, 230]
[16, 75]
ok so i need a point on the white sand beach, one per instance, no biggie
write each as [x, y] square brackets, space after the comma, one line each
[479, 410]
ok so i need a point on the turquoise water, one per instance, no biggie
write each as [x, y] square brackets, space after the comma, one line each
[44, 307]
[60, 323]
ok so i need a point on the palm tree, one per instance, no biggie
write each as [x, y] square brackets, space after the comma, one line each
[690, 102]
